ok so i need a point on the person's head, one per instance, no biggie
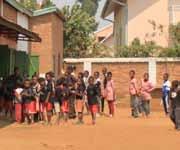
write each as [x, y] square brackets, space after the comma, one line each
[104, 71]
[69, 70]
[146, 76]
[60, 81]
[132, 74]
[79, 81]
[109, 76]
[165, 76]
[86, 74]
[34, 80]
[91, 80]
[175, 84]
[16, 71]
[27, 83]
[42, 82]
[80, 75]
[96, 75]
[49, 76]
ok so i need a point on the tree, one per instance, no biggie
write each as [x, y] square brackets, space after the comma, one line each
[78, 29]
[47, 3]
[90, 6]
[29, 4]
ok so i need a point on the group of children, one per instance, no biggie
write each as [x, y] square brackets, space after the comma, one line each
[38, 99]
[140, 97]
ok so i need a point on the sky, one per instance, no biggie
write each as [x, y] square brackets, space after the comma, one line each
[102, 23]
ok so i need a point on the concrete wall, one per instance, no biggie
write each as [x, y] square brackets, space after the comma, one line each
[120, 68]
[23, 20]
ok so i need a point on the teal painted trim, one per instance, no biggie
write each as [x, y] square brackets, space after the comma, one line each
[19, 7]
[52, 9]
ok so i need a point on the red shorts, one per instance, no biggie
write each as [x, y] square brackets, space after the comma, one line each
[93, 108]
[32, 107]
[45, 106]
[79, 105]
[26, 108]
[65, 107]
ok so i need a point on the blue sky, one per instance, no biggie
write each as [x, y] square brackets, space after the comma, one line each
[102, 23]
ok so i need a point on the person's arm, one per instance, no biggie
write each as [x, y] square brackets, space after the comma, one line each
[151, 87]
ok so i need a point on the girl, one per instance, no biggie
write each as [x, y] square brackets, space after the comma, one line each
[27, 97]
[79, 100]
[35, 88]
[175, 104]
[165, 93]
[92, 94]
[133, 91]
[43, 94]
[110, 94]
[145, 90]
[50, 96]
[65, 92]
[18, 103]
[98, 86]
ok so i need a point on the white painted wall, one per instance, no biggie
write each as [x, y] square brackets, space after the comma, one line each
[23, 21]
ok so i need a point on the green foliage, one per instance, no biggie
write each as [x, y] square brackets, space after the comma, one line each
[175, 34]
[90, 6]
[136, 49]
[47, 3]
[170, 52]
[29, 4]
[78, 28]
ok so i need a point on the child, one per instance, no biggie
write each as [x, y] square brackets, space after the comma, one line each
[50, 96]
[165, 93]
[110, 94]
[27, 97]
[79, 100]
[145, 90]
[86, 82]
[133, 91]
[65, 92]
[42, 99]
[58, 99]
[92, 94]
[18, 103]
[98, 86]
[104, 73]
[175, 104]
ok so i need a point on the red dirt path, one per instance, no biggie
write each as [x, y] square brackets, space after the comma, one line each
[119, 133]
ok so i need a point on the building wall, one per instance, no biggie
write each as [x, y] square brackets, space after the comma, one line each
[23, 20]
[57, 35]
[139, 14]
[50, 30]
[9, 13]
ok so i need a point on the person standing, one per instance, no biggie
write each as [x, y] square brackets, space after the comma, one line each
[133, 91]
[165, 93]
[145, 91]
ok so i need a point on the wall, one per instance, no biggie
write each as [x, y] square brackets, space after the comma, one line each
[120, 68]
[50, 29]
[11, 14]
[138, 15]
[23, 20]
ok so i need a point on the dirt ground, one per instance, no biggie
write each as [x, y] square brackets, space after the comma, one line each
[119, 133]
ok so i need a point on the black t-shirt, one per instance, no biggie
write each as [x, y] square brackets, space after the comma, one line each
[80, 91]
[51, 89]
[65, 92]
[92, 94]
[175, 99]
[43, 94]
[58, 94]
[29, 96]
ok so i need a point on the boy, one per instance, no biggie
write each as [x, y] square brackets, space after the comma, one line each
[133, 91]
[175, 104]
[27, 98]
[165, 93]
[92, 94]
